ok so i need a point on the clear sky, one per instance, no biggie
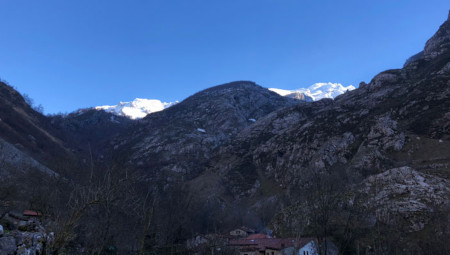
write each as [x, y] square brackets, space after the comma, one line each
[73, 54]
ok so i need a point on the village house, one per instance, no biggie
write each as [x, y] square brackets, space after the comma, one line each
[31, 214]
[16, 216]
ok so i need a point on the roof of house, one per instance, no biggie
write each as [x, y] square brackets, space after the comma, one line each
[31, 213]
[270, 243]
[256, 236]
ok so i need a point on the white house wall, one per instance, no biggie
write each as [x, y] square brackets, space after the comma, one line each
[310, 249]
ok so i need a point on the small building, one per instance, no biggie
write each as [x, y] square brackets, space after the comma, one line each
[308, 249]
[242, 232]
[312, 248]
[30, 213]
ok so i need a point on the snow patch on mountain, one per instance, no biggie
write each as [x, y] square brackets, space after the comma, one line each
[282, 92]
[318, 91]
[136, 109]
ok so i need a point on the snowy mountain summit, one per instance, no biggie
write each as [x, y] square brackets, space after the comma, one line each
[317, 91]
[136, 109]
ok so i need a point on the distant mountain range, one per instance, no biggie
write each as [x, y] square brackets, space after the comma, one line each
[141, 107]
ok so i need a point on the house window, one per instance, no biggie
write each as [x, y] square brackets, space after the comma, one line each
[304, 252]
[273, 253]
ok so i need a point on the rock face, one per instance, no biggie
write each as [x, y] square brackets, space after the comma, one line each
[29, 239]
[405, 197]
[385, 134]
[439, 43]
[11, 156]
[299, 96]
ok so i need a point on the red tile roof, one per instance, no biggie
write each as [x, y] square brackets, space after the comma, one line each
[256, 236]
[31, 213]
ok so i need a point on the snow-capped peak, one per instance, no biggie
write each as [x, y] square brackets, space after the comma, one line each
[318, 91]
[136, 109]
[326, 90]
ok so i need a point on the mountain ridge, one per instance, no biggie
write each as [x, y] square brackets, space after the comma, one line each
[141, 107]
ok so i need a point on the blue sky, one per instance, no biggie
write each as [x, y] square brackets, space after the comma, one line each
[73, 54]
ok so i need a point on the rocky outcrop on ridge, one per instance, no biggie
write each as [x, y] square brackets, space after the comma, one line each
[404, 197]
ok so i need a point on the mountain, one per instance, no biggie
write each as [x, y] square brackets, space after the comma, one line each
[187, 133]
[316, 91]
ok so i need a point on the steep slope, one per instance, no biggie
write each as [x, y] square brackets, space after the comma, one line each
[29, 134]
